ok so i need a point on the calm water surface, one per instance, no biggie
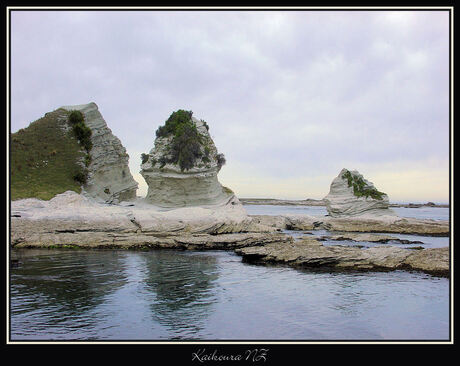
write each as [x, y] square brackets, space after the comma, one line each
[213, 295]
[160, 295]
[434, 213]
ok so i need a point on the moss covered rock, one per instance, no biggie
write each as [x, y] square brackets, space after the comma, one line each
[352, 195]
[181, 170]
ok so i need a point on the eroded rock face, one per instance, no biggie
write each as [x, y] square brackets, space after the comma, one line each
[109, 178]
[352, 195]
[171, 187]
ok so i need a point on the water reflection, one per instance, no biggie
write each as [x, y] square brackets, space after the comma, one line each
[183, 285]
[60, 287]
[127, 295]
[350, 295]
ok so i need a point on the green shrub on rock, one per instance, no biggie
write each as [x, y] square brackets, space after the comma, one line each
[173, 123]
[205, 124]
[220, 159]
[88, 160]
[76, 117]
[82, 132]
[187, 144]
[144, 157]
[360, 188]
[81, 177]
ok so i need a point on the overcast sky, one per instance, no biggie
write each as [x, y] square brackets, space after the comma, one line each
[291, 98]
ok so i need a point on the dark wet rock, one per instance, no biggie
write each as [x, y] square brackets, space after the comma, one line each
[310, 253]
[368, 237]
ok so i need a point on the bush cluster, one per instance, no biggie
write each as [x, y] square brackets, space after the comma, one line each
[360, 188]
[144, 157]
[205, 124]
[82, 132]
[186, 147]
[81, 176]
[87, 160]
[220, 159]
[163, 161]
[174, 122]
[186, 144]
[76, 117]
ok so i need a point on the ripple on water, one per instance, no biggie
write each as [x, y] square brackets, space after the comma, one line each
[168, 294]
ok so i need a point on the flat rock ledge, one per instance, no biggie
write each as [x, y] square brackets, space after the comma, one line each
[310, 253]
[359, 224]
[372, 238]
[109, 235]
[71, 211]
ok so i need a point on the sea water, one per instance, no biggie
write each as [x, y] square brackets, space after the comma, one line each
[212, 295]
[424, 212]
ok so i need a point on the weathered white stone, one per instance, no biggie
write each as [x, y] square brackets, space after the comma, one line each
[72, 208]
[169, 187]
[109, 178]
[342, 202]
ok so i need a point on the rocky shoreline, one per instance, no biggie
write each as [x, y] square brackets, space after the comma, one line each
[315, 202]
[43, 234]
[186, 207]
[366, 237]
[277, 202]
[72, 221]
[363, 224]
[254, 247]
[309, 253]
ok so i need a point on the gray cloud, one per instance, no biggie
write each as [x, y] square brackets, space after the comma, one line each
[288, 95]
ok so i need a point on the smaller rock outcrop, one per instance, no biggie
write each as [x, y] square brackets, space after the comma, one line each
[352, 195]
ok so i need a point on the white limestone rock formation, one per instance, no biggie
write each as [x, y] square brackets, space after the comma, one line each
[352, 195]
[109, 178]
[70, 211]
[169, 186]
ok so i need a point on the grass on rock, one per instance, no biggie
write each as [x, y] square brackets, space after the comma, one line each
[44, 158]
